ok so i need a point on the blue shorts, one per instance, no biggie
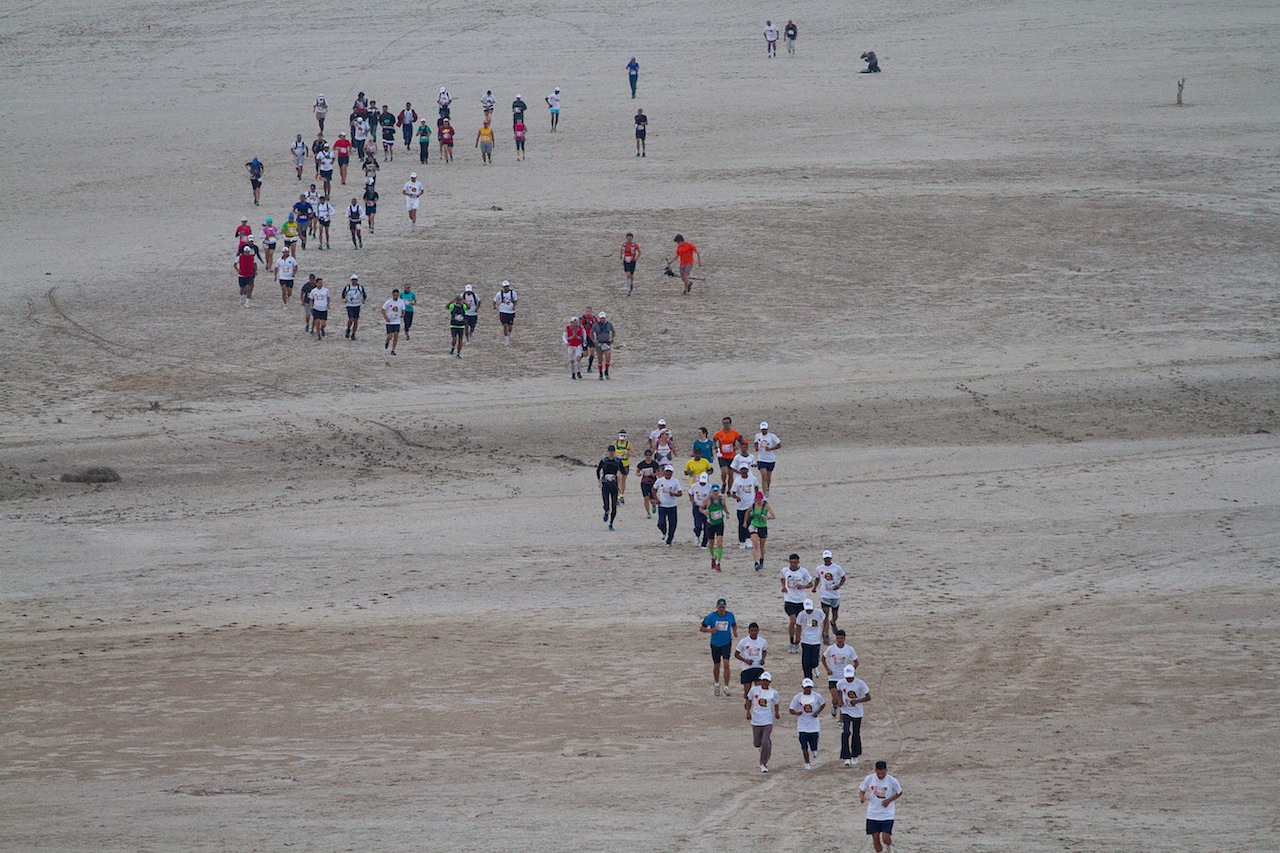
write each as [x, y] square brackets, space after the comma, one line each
[555, 111]
[809, 741]
[766, 466]
[874, 826]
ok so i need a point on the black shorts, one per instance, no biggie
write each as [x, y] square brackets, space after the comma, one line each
[255, 183]
[344, 159]
[507, 319]
[327, 174]
[714, 529]
[750, 674]
[766, 466]
[370, 209]
[725, 463]
[286, 283]
[793, 608]
[719, 653]
[646, 489]
[639, 133]
[324, 223]
[874, 826]
[762, 532]
[319, 314]
[353, 311]
[471, 321]
[457, 331]
[628, 266]
[392, 328]
[245, 280]
[626, 469]
[354, 225]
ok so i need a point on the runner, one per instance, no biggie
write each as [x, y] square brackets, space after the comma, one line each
[457, 309]
[312, 196]
[484, 141]
[812, 624]
[306, 301]
[487, 103]
[766, 444]
[290, 233]
[387, 122]
[573, 338]
[410, 299]
[668, 491]
[445, 135]
[623, 447]
[699, 493]
[392, 312]
[354, 295]
[696, 466]
[324, 218]
[317, 145]
[608, 470]
[246, 267]
[770, 39]
[354, 218]
[789, 33]
[642, 121]
[413, 191]
[504, 302]
[472, 299]
[685, 252]
[342, 149]
[664, 448]
[519, 131]
[647, 471]
[518, 106]
[360, 136]
[762, 712]
[836, 657]
[605, 336]
[319, 309]
[715, 511]
[405, 121]
[424, 143]
[796, 583]
[880, 792]
[371, 201]
[255, 169]
[630, 253]
[299, 150]
[751, 650]
[251, 245]
[832, 578]
[321, 109]
[284, 270]
[807, 707]
[726, 441]
[302, 211]
[444, 100]
[325, 160]
[553, 104]
[270, 235]
[633, 75]
[704, 447]
[742, 457]
[723, 628]
[744, 492]
[853, 694]
[758, 518]
[370, 167]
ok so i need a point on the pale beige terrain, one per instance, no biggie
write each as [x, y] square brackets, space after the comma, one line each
[1012, 313]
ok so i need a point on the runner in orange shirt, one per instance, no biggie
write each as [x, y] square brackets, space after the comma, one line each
[686, 252]
[630, 253]
[726, 439]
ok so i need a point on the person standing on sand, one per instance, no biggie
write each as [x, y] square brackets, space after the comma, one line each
[604, 336]
[762, 713]
[812, 624]
[771, 39]
[668, 491]
[608, 470]
[246, 267]
[723, 628]
[837, 656]
[853, 693]
[630, 253]
[633, 75]
[831, 578]
[504, 302]
[553, 104]
[413, 191]
[392, 312]
[319, 309]
[457, 310]
[299, 150]
[255, 169]
[354, 295]
[641, 129]
[766, 443]
[284, 270]
[751, 650]
[880, 792]
[796, 583]
[807, 707]
[321, 109]
[789, 33]
[410, 299]
[484, 141]
[686, 252]
[715, 511]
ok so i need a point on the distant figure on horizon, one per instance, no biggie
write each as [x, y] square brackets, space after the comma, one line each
[790, 33]
[771, 39]
[633, 75]
[873, 64]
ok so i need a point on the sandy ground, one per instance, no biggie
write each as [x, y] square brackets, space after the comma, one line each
[1012, 313]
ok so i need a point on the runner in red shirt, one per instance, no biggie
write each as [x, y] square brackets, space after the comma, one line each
[686, 252]
[445, 136]
[726, 439]
[243, 230]
[588, 322]
[573, 338]
[630, 253]
[246, 267]
[342, 148]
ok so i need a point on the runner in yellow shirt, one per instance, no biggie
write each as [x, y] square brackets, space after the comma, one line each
[623, 454]
[695, 466]
[484, 141]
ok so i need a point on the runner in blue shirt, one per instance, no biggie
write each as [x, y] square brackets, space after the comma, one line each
[302, 213]
[723, 628]
[633, 74]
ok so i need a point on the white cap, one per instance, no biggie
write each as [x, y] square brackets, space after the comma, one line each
[506, 284]
[602, 315]
[354, 277]
[764, 676]
[826, 555]
[662, 421]
[467, 289]
[321, 95]
[669, 468]
[442, 88]
[413, 174]
[557, 89]
[808, 604]
[764, 425]
[244, 219]
[519, 96]
[808, 682]
[702, 478]
[849, 671]
[246, 249]
[573, 319]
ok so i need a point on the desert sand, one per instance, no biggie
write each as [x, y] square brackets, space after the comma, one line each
[1012, 313]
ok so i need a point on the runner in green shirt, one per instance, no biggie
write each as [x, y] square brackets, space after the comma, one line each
[457, 309]
[714, 509]
[758, 518]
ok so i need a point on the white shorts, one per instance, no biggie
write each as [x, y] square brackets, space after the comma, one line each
[575, 352]
[412, 203]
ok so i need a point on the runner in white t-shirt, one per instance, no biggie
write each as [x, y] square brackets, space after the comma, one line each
[796, 583]
[762, 713]
[853, 693]
[472, 300]
[667, 489]
[806, 706]
[744, 491]
[504, 302]
[880, 792]
[393, 314]
[413, 191]
[354, 295]
[835, 658]
[319, 310]
[553, 104]
[831, 579]
[766, 444]
[811, 622]
[284, 270]
[751, 650]
[771, 39]
[699, 492]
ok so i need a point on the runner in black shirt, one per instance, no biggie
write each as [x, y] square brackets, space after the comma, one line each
[517, 111]
[607, 471]
[648, 471]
